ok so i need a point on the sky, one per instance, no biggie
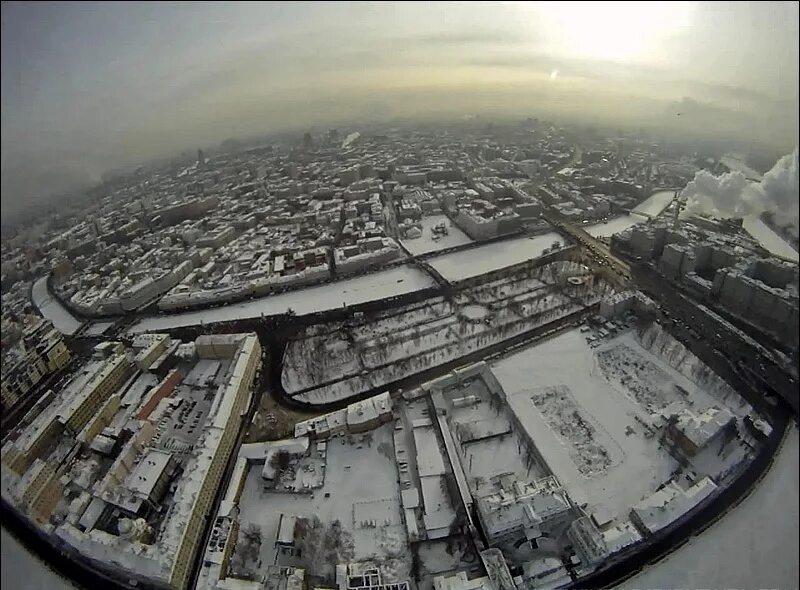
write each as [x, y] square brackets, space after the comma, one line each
[87, 87]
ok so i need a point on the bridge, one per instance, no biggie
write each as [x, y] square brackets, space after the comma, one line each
[596, 250]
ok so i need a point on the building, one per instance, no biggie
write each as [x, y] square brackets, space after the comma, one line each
[357, 417]
[694, 432]
[39, 490]
[668, 505]
[161, 447]
[75, 414]
[587, 540]
[524, 510]
[41, 352]
[365, 576]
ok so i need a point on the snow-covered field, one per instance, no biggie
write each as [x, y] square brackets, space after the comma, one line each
[753, 546]
[369, 515]
[426, 243]
[379, 285]
[345, 359]
[477, 261]
[563, 380]
[52, 309]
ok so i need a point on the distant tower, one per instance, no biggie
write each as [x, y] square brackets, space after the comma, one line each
[201, 159]
[307, 141]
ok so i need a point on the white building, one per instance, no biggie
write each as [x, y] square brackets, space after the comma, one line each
[668, 504]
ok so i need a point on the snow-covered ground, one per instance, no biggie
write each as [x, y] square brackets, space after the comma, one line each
[22, 570]
[753, 546]
[768, 239]
[343, 360]
[371, 525]
[477, 261]
[426, 243]
[562, 379]
[52, 309]
[379, 285]
[655, 203]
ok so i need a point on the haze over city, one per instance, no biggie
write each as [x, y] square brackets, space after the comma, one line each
[87, 87]
[400, 296]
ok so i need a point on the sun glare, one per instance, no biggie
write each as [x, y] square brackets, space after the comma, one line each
[615, 31]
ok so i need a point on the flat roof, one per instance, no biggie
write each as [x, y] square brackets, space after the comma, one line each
[146, 474]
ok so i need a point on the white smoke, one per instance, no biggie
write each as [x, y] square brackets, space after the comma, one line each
[732, 195]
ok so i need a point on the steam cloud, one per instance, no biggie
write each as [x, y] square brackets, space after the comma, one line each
[732, 195]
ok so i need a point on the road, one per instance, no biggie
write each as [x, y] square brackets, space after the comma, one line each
[595, 249]
[720, 344]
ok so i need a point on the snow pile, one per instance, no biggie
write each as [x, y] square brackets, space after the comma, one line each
[732, 194]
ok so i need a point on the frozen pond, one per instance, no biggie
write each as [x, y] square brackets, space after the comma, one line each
[22, 570]
[754, 546]
[50, 308]
[388, 283]
[477, 261]
[426, 243]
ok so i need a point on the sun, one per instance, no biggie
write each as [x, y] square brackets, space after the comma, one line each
[612, 31]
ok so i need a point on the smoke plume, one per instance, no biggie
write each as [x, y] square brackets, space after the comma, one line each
[732, 195]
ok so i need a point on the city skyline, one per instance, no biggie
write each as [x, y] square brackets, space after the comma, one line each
[90, 87]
